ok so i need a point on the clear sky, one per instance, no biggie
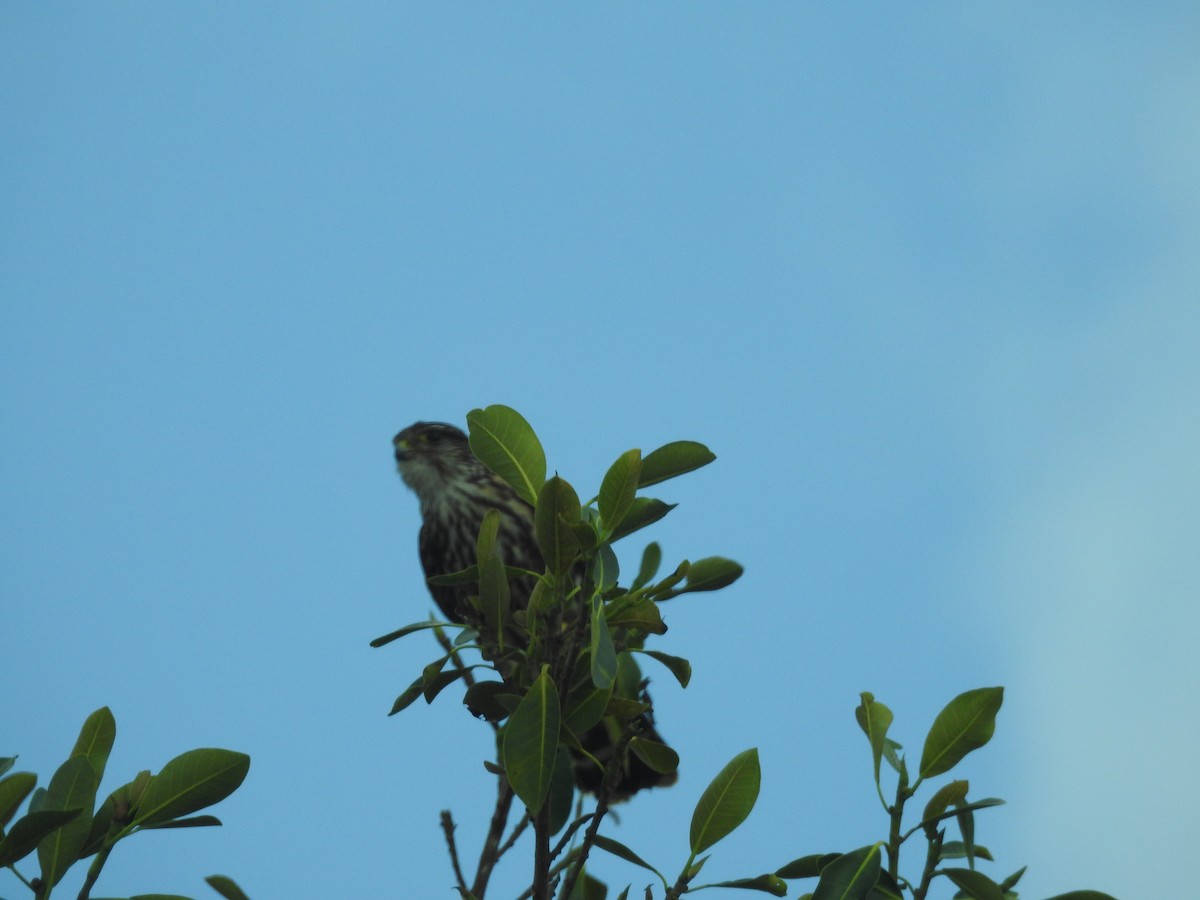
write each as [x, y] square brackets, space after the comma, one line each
[924, 277]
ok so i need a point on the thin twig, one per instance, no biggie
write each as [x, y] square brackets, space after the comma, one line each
[555, 871]
[448, 829]
[516, 833]
[491, 853]
[570, 833]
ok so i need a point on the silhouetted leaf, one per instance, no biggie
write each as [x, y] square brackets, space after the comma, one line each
[769, 884]
[974, 884]
[656, 755]
[680, 667]
[13, 791]
[226, 887]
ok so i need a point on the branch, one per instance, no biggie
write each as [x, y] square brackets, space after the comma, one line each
[492, 851]
[448, 829]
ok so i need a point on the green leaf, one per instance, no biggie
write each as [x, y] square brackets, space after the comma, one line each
[604, 655]
[619, 850]
[874, 719]
[95, 740]
[958, 850]
[726, 802]
[13, 791]
[769, 884]
[946, 796]
[651, 560]
[642, 512]
[407, 630]
[974, 884]
[554, 520]
[658, 756]
[205, 821]
[481, 699]
[851, 876]
[587, 710]
[604, 570]
[679, 667]
[469, 575]
[530, 742]
[494, 598]
[618, 488]
[411, 693]
[443, 680]
[6, 763]
[806, 866]
[506, 444]
[562, 792]
[1011, 881]
[632, 611]
[711, 574]
[673, 459]
[29, 830]
[190, 782]
[1082, 895]
[226, 887]
[957, 811]
[966, 724]
[72, 787]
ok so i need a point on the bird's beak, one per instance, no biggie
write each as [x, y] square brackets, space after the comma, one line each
[403, 450]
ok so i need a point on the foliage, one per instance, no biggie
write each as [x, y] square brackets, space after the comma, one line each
[64, 826]
[552, 668]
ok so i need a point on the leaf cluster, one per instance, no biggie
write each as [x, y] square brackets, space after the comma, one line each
[63, 824]
[562, 662]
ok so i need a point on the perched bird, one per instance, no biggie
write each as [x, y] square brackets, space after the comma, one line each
[455, 490]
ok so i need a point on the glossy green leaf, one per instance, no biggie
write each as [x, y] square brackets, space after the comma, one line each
[631, 611]
[530, 742]
[96, 739]
[658, 756]
[73, 786]
[13, 791]
[806, 866]
[411, 693]
[726, 802]
[619, 850]
[642, 512]
[604, 655]
[604, 570]
[204, 821]
[974, 884]
[554, 521]
[29, 830]
[966, 724]
[618, 488]
[874, 719]
[768, 884]
[679, 667]
[562, 792]
[651, 560]
[587, 710]
[673, 459]
[506, 444]
[406, 630]
[226, 887]
[190, 782]
[711, 574]
[851, 876]
[946, 796]
[494, 599]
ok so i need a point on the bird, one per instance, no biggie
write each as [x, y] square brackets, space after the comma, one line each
[455, 490]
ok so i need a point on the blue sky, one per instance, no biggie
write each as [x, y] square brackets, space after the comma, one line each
[924, 278]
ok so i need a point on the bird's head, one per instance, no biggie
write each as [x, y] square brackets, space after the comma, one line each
[432, 456]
